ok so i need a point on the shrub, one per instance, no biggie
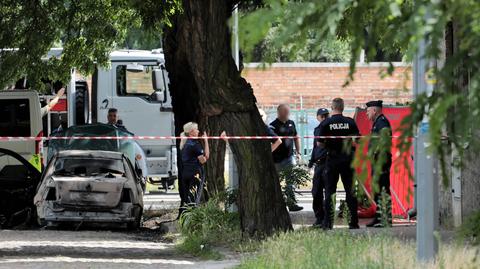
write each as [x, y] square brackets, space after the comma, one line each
[470, 229]
[295, 176]
[206, 226]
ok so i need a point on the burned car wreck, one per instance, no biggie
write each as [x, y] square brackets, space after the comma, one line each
[91, 181]
[86, 186]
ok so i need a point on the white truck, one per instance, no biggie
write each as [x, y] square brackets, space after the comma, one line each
[136, 84]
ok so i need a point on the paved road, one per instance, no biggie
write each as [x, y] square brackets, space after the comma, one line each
[95, 249]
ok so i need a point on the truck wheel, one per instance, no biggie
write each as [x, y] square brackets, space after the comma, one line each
[81, 102]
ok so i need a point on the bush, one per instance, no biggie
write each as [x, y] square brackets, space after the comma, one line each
[470, 229]
[206, 226]
[295, 176]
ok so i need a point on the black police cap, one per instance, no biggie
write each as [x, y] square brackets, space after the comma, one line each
[378, 103]
[322, 111]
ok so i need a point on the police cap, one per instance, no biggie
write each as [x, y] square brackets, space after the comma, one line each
[322, 111]
[378, 103]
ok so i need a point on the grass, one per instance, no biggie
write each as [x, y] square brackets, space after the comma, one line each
[341, 249]
[470, 229]
[206, 228]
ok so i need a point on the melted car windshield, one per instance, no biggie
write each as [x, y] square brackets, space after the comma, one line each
[88, 167]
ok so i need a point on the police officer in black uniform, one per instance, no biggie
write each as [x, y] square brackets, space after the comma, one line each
[318, 158]
[339, 161]
[380, 124]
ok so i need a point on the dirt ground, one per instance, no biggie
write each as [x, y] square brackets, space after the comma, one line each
[96, 249]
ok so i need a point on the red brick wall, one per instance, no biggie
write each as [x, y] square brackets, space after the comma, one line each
[318, 83]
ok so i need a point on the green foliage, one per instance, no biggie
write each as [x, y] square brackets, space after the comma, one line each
[470, 229]
[341, 249]
[316, 249]
[88, 31]
[327, 49]
[206, 226]
[395, 25]
[141, 38]
[295, 176]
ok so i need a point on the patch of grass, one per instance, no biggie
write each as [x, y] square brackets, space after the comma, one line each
[470, 229]
[342, 249]
[206, 227]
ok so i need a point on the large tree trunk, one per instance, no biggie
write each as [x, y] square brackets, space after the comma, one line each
[206, 86]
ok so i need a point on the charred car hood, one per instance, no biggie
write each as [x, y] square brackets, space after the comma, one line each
[95, 191]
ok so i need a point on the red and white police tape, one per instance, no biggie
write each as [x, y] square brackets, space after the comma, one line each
[33, 138]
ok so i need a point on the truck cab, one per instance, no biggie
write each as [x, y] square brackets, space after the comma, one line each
[20, 110]
[136, 84]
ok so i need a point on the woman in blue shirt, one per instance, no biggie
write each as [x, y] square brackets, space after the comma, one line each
[193, 157]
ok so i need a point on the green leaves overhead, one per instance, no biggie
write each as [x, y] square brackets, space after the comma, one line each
[88, 30]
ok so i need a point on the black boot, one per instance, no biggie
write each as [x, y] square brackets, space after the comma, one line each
[294, 207]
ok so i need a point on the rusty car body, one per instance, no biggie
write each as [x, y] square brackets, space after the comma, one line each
[90, 187]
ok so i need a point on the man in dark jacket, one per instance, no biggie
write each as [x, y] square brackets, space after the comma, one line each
[380, 125]
[318, 158]
[284, 156]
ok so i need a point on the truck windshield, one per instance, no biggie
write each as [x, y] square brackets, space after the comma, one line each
[136, 83]
[88, 166]
[15, 119]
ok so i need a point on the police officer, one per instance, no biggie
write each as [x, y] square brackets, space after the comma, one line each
[193, 157]
[380, 125]
[284, 156]
[339, 160]
[318, 158]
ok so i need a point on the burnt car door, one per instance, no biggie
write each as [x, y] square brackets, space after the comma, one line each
[18, 183]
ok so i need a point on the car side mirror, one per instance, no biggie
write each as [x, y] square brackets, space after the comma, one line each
[158, 80]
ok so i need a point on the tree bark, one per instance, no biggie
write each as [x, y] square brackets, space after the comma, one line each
[206, 87]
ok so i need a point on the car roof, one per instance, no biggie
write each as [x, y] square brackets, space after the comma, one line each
[90, 154]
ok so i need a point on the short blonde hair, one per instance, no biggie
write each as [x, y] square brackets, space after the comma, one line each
[187, 128]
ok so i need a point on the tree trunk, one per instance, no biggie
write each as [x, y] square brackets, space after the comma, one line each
[206, 87]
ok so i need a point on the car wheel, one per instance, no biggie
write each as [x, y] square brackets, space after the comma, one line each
[135, 225]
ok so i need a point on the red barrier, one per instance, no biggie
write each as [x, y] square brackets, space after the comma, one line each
[401, 184]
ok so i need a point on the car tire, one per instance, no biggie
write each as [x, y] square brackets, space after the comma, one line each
[137, 223]
[81, 102]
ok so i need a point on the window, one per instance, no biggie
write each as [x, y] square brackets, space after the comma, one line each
[15, 117]
[12, 168]
[134, 82]
[88, 167]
